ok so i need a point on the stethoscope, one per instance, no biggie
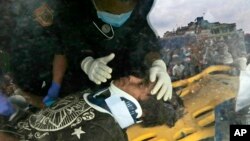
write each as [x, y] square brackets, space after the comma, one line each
[105, 29]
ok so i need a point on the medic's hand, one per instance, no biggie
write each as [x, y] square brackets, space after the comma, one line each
[6, 108]
[163, 86]
[97, 69]
[52, 95]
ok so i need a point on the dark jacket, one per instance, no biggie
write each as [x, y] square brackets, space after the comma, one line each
[70, 119]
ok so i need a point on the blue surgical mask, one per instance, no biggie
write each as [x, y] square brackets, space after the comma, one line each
[113, 19]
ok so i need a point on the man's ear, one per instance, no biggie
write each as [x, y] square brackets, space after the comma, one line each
[134, 79]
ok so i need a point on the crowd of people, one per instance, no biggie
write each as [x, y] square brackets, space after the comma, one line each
[193, 55]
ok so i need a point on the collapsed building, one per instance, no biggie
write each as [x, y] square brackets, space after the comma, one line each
[201, 44]
[203, 29]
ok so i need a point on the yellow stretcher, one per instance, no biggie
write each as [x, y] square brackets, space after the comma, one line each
[201, 93]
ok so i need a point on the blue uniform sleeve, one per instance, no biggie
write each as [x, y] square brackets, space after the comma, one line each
[6, 108]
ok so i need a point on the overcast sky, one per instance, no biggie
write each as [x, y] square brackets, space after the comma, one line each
[167, 15]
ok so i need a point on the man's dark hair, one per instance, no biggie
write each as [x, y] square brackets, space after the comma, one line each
[157, 112]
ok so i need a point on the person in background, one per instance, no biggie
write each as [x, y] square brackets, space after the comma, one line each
[178, 70]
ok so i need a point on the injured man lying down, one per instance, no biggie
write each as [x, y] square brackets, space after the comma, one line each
[101, 116]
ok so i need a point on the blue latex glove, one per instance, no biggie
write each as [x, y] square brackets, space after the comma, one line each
[52, 95]
[6, 108]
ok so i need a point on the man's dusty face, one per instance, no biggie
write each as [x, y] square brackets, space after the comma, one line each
[166, 113]
[136, 87]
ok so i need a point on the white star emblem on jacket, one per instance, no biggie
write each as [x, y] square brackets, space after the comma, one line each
[78, 132]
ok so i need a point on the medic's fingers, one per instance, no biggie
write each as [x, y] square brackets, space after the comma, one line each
[152, 75]
[157, 86]
[103, 73]
[108, 58]
[93, 78]
[105, 68]
[99, 77]
[162, 92]
[168, 94]
[96, 81]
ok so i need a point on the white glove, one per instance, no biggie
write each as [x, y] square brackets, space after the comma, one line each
[163, 86]
[97, 69]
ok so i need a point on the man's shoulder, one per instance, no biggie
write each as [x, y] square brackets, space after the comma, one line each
[105, 126]
[71, 119]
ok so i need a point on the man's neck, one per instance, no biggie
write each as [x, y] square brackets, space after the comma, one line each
[117, 101]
